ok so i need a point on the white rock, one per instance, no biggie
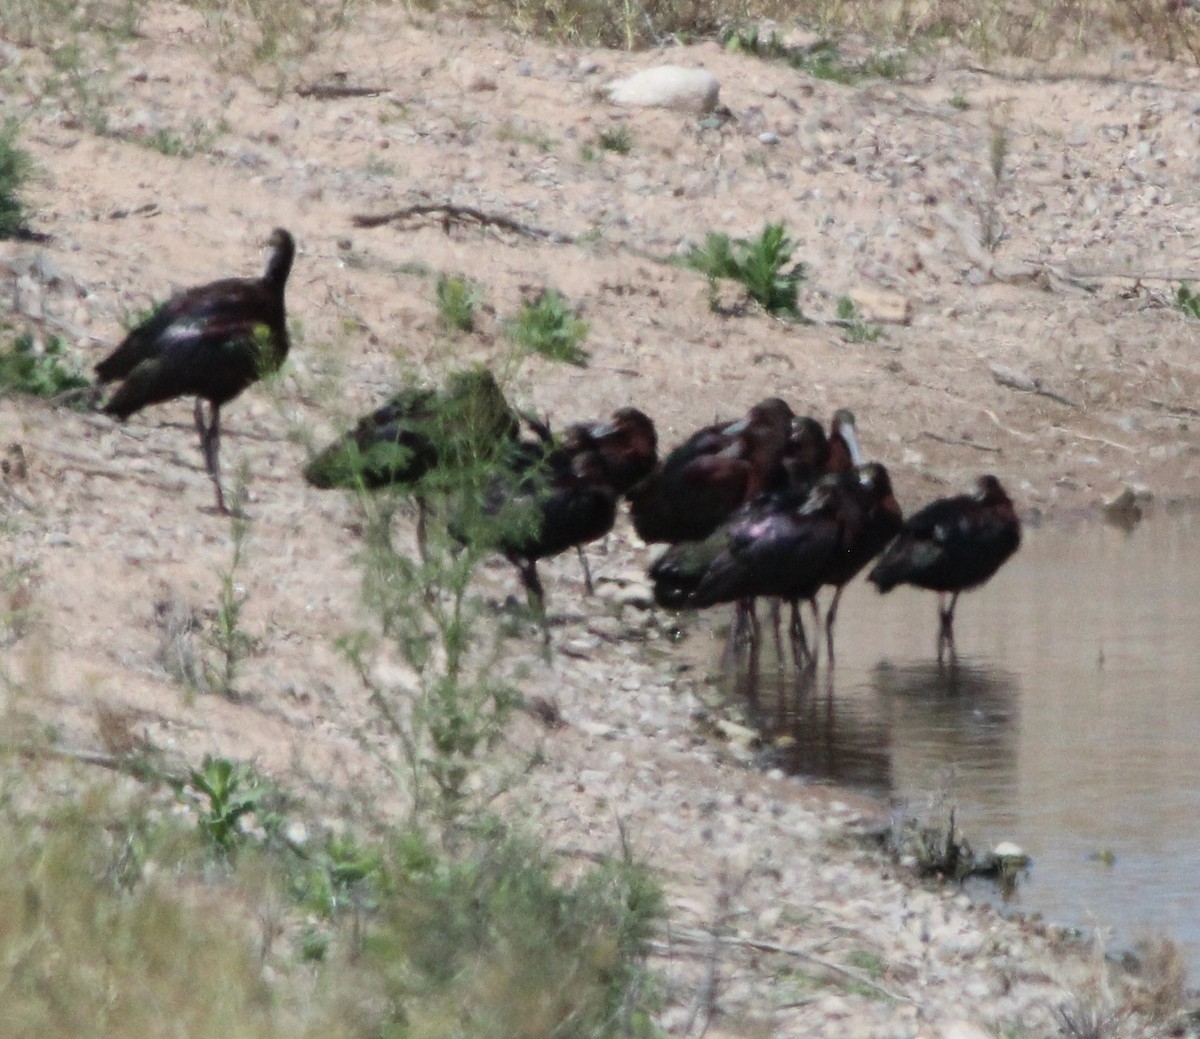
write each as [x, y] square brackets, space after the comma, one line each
[667, 86]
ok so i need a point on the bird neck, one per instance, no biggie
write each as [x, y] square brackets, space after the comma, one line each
[280, 265]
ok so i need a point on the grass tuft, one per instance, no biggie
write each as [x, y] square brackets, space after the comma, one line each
[14, 169]
[38, 369]
[760, 264]
[547, 325]
[457, 300]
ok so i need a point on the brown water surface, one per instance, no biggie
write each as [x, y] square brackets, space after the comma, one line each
[1070, 723]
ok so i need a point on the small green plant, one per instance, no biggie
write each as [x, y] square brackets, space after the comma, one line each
[511, 132]
[760, 264]
[165, 143]
[822, 60]
[987, 206]
[38, 369]
[230, 791]
[959, 101]
[197, 138]
[857, 327]
[619, 140]
[547, 325]
[568, 957]
[457, 300]
[14, 168]
[226, 634]
[1187, 300]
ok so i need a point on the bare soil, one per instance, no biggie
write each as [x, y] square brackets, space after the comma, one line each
[886, 188]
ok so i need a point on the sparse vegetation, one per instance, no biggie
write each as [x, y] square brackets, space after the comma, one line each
[1187, 301]
[547, 325]
[823, 60]
[619, 140]
[857, 327]
[14, 168]
[197, 139]
[760, 264]
[113, 920]
[517, 133]
[226, 634]
[230, 792]
[39, 368]
[987, 205]
[457, 300]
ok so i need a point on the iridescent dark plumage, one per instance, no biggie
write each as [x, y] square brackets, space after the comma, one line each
[627, 442]
[780, 545]
[808, 456]
[575, 503]
[416, 431]
[209, 342]
[950, 546]
[703, 480]
[871, 518]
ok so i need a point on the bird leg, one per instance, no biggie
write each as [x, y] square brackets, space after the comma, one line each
[776, 609]
[745, 623]
[816, 610]
[210, 445]
[800, 652]
[829, 619]
[587, 573]
[534, 592]
[946, 626]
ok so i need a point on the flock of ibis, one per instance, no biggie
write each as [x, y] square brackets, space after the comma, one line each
[768, 505]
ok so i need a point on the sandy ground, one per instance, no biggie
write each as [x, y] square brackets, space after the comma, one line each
[883, 185]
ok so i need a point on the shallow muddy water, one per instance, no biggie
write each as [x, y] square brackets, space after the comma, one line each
[1070, 724]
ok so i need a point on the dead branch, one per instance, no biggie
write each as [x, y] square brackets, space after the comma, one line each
[1096, 440]
[451, 213]
[1172, 409]
[1016, 380]
[336, 91]
[704, 938]
[1007, 429]
[961, 442]
[132, 765]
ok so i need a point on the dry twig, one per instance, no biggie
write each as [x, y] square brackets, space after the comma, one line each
[451, 213]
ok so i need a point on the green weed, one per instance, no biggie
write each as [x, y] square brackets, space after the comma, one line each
[511, 132]
[226, 633]
[14, 169]
[760, 264]
[857, 327]
[1187, 301]
[492, 943]
[231, 791]
[547, 325]
[457, 300]
[619, 140]
[39, 369]
[823, 60]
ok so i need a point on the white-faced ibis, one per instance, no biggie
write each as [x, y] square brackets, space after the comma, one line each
[703, 480]
[210, 342]
[808, 456]
[951, 546]
[418, 432]
[627, 443]
[577, 505]
[780, 545]
[871, 518]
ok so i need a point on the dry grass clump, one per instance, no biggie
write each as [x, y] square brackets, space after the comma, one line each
[91, 949]
[1027, 28]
